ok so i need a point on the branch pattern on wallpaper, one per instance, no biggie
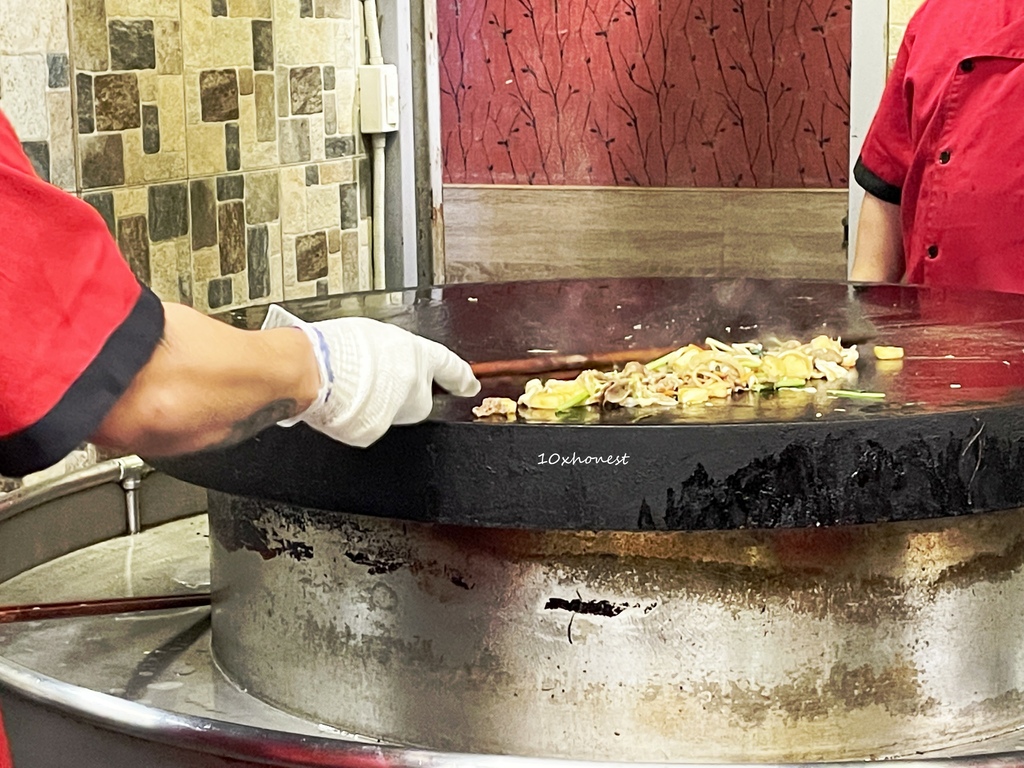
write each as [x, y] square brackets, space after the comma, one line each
[680, 93]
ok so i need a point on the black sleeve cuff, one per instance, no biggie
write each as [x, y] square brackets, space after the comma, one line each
[86, 403]
[884, 191]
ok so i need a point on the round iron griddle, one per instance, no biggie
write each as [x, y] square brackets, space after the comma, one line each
[946, 441]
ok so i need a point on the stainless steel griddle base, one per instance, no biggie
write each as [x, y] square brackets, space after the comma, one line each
[143, 689]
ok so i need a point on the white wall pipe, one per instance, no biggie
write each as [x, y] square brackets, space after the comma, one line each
[378, 141]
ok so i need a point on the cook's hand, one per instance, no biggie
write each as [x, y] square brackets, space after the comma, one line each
[373, 375]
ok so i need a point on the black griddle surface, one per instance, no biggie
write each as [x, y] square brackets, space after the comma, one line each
[945, 441]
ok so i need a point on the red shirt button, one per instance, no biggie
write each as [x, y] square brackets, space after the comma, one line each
[967, 65]
[933, 251]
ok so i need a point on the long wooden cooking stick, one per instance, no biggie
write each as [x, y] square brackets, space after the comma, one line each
[76, 609]
[549, 363]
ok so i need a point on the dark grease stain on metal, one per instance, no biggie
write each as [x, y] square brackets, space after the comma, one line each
[376, 567]
[586, 607]
[836, 481]
[241, 529]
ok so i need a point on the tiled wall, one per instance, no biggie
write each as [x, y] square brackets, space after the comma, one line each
[217, 137]
[900, 12]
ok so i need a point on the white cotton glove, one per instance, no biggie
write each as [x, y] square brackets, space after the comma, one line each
[373, 375]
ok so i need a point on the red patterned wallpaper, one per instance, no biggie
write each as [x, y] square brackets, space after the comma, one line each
[679, 93]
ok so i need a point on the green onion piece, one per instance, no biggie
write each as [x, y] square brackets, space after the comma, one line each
[664, 360]
[856, 394]
[790, 383]
[573, 401]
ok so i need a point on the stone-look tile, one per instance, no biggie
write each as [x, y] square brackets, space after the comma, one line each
[206, 150]
[349, 206]
[322, 207]
[232, 147]
[333, 240]
[363, 165]
[336, 172]
[330, 114]
[84, 99]
[90, 49]
[39, 26]
[266, 121]
[334, 9]
[306, 89]
[294, 141]
[245, 82]
[167, 33]
[322, 289]
[131, 201]
[103, 202]
[142, 9]
[262, 197]
[283, 100]
[102, 161]
[206, 263]
[231, 222]
[132, 44]
[62, 140]
[312, 175]
[150, 129]
[350, 270]
[170, 266]
[220, 293]
[251, 9]
[22, 86]
[263, 45]
[329, 77]
[39, 154]
[306, 9]
[339, 146]
[258, 261]
[203, 202]
[148, 80]
[210, 42]
[218, 7]
[133, 240]
[58, 73]
[311, 256]
[117, 102]
[168, 211]
[218, 90]
[293, 200]
[230, 187]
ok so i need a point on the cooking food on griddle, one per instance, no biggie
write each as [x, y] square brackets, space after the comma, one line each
[693, 375]
[496, 406]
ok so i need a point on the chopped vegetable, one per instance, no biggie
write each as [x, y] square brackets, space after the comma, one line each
[855, 394]
[695, 374]
[888, 353]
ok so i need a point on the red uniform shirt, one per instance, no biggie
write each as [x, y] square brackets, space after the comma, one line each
[75, 324]
[947, 144]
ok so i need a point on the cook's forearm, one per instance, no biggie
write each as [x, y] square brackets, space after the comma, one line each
[879, 254]
[210, 385]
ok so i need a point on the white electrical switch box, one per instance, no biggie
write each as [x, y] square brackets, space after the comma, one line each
[378, 98]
